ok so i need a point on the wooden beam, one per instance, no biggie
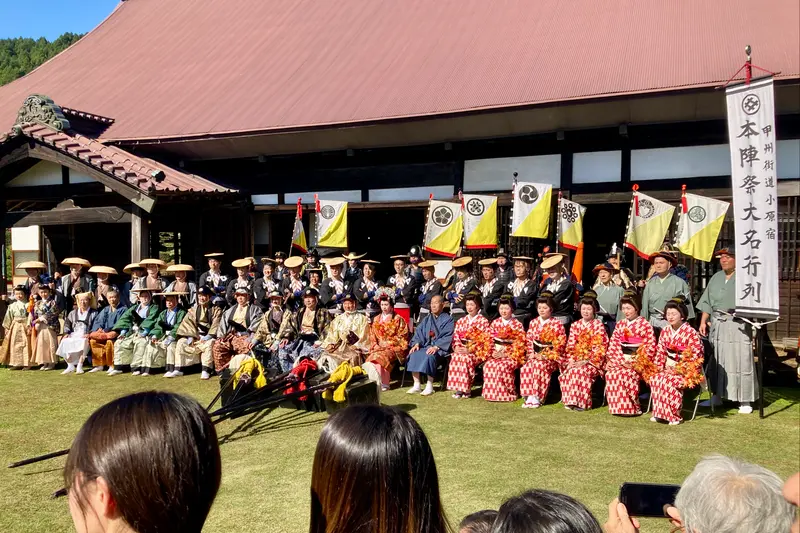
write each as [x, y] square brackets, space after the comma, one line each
[55, 217]
[140, 235]
[134, 194]
[53, 192]
[18, 154]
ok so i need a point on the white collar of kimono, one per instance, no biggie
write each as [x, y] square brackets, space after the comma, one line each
[662, 280]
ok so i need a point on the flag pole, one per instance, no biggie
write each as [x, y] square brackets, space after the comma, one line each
[316, 220]
[634, 200]
[425, 227]
[558, 222]
[511, 213]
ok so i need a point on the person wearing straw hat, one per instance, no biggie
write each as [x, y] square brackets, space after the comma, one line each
[132, 329]
[101, 339]
[34, 270]
[335, 287]
[74, 345]
[102, 284]
[491, 288]
[196, 334]
[353, 271]
[45, 327]
[302, 331]
[558, 283]
[236, 329]
[153, 281]
[136, 272]
[731, 369]
[16, 348]
[214, 278]
[608, 295]
[432, 341]
[241, 281]
[347, 338]
[523, 288]
[162, 338]
[265, 340]
[78, 280]
[505, 270]
[180, 284]
[366, 287]
[546, 342]
[293, 283]
[662, 287]
[430, 288]
[464, 284]
[265, 285]
[403, 285]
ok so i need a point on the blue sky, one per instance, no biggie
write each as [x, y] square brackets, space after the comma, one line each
[51, 18]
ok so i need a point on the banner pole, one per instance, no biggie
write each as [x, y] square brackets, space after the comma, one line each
[425, 227]
[759, 348]
[511, 237]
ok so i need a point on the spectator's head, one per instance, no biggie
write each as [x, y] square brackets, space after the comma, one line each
[791, 491]
[724, 495]
[480, 522]
[541, 511]
[148, 462]
[374, 473]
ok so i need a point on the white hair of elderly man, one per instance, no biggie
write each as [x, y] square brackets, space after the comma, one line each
[724, 495]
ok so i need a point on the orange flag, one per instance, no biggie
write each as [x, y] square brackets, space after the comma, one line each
[577, 265]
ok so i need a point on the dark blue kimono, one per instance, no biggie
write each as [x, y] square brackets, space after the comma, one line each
[431, 331]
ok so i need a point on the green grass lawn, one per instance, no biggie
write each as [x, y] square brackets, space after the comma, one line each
[484, 452]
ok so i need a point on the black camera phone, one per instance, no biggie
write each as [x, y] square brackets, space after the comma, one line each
[648, 499]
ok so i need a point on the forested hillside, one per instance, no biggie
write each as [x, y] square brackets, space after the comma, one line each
[21, 55]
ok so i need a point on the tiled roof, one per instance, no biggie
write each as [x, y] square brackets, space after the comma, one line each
[146, 174]
[188, 68]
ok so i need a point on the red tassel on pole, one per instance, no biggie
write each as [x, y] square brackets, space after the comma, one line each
[635, 200]
[300, 208]
[316, 202]
[684, 203]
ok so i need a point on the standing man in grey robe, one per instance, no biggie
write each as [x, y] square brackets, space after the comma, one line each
[731, 369]
[661, 288]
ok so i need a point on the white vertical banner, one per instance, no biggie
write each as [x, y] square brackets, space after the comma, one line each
[751, 129]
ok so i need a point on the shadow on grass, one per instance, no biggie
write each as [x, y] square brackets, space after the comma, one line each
[282, 422]
[405, 407]
[48, 471]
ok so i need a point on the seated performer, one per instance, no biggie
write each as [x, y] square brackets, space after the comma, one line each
[196, 334]
[679, 363]
[353, 271]
[101, 339]
[467, 347]
[162, 337]
[74, 345]
[404, 286]
[430, 288]
[180, 284]
[523, 288]
[347, 339]
[241, 281]
[558, 283]
[236, 329]
[366, 287]
[662, 287]
[153, 280]
[16, 347]
[265, 285]
[546, 342]
[630, 352]
[491, 288]
[464, 284]
[214, 279]
[608, 295]
[127, 296]
[103, 284]
[302, 331]
[293, 284]
[335, 287]
[432, 340]
[508, 352]
[45, 327]
[586, 356]
[388, 342]
[133, 327]
[265, 341]
[77, 281]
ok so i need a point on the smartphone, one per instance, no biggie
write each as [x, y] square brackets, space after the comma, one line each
[647, 499]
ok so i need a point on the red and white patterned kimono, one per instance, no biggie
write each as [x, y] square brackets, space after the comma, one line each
[622, 381]
[461, 372]
[498, 371]
[534, 378]
[679, 352]
[586, 357]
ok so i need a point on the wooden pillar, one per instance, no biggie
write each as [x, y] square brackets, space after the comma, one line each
[3, 264]
[140, 235]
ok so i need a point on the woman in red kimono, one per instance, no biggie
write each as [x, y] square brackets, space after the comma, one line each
[508, 353]
[586, 356]
[546, 342]
[679, 360]
[630, 355]
[469, 347]
[388, 341]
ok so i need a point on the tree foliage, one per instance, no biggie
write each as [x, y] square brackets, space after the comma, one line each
[21, 55]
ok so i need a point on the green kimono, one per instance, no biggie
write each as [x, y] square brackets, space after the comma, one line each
[658, 292]
[159, 331]
[719, 294]
[608, 297]
[126, 322]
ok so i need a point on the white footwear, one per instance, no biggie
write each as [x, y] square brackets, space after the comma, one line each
[203, 375]
[653, 419]
[96, 369]
[145, 373]
[70, 369]
[79, 370]
[715, 401]
[384, 388]
[675, 423]
[110, 370]
[114, 372]
[745, 408]
[168, 374]
[427, 392]
[178, 373]
[414, 390]
[136, 373]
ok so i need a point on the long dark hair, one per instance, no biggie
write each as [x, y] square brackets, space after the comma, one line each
[542, 511]
[158, 454]
[374, 473]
